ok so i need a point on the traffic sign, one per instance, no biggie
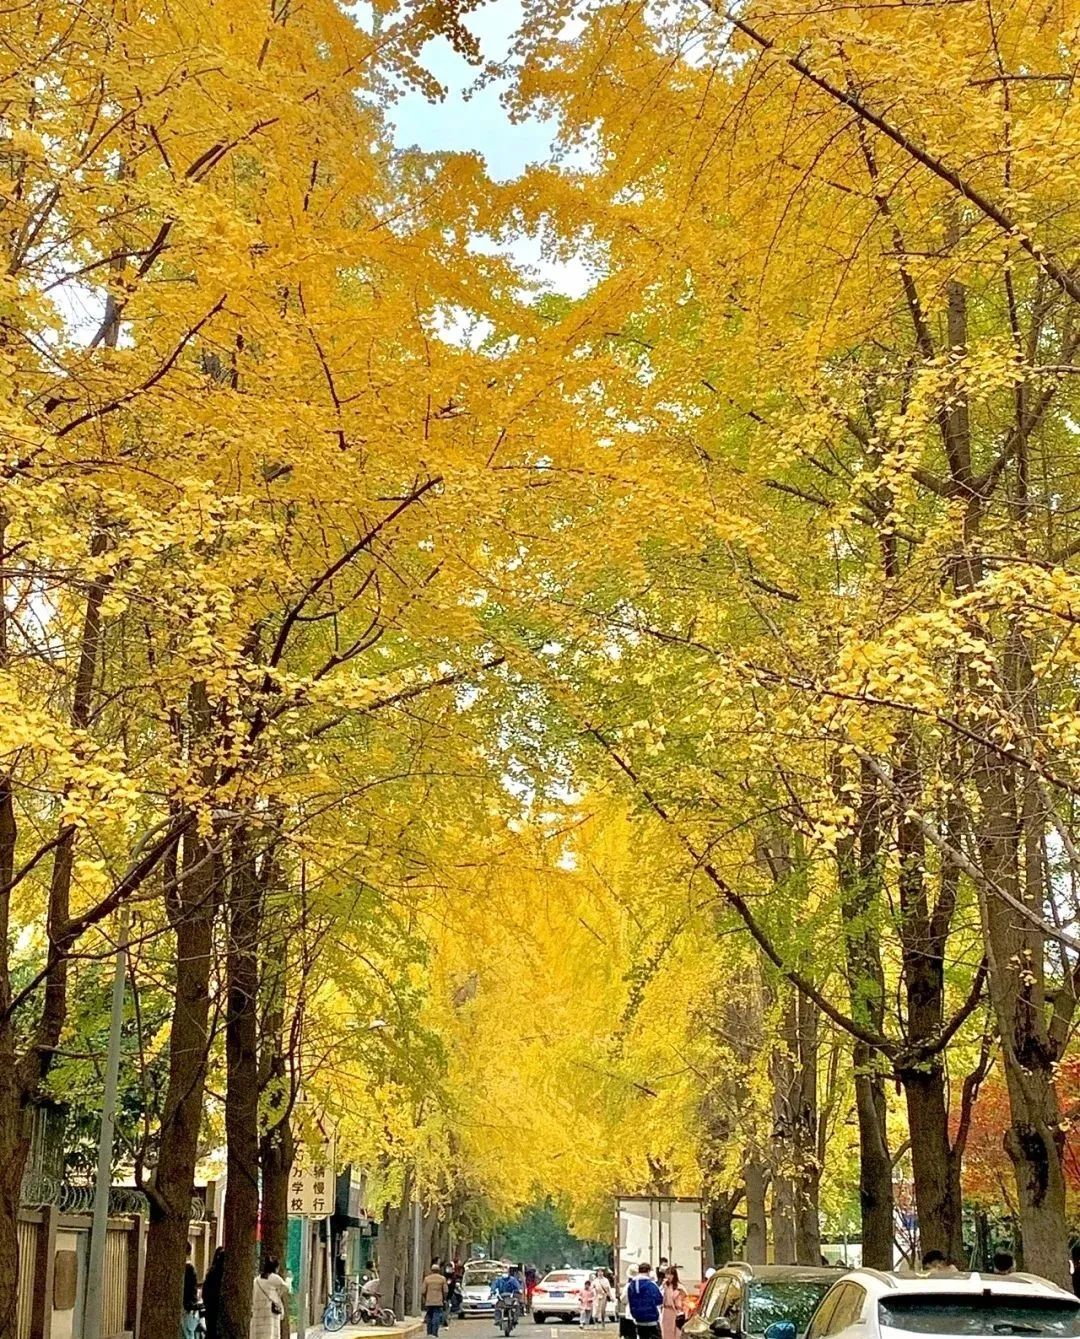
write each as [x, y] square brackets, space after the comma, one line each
[312, 1184]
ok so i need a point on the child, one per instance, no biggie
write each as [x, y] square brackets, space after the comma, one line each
[587, 1298]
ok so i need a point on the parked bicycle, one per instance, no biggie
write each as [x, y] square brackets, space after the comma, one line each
[366, 1308]
[336, 1312]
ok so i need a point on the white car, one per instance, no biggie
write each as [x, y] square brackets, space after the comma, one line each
[558, 1294]
[476, 1280]
[873, 1304]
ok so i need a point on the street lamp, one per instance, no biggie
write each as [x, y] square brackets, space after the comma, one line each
[95, 1276]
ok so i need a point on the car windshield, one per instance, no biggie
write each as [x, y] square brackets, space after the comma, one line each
[981, 1314]
[784, 1299]
[475, 1277]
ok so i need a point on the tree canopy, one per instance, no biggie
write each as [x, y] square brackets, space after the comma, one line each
[671, 686]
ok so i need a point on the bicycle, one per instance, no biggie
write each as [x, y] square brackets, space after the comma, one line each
[367, 1309]
[336, 1312]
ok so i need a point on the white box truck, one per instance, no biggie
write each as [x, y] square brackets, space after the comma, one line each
[660, 1227]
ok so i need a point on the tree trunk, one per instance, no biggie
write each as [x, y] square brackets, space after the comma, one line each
[1015, 956]
[807, 1202]
[21, 1076]
[859, 868]
[277, 1090]
[393, 1250]
[275, 1159]
[14, 1151]
[14, 1140]
[923, 937]
[721, 1240]
[242, 1090]
[936, 1173]
[783, 1156]
[756, 1250]
[192, 913]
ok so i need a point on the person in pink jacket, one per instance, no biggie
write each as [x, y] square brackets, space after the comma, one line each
[674, 1305]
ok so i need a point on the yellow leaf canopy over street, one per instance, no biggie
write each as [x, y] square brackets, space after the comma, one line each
[581, 743]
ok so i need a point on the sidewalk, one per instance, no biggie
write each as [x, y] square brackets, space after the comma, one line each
[409, 1327]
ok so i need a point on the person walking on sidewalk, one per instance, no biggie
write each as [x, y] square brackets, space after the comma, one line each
[588, 1296]
[211, 1293]
[269, 1297]
[189, 1318]
[433, 1294]
[674, 1305]
[645, 1300]
[601, 1297]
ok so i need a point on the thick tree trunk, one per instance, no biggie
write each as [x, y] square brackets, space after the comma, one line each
[192, 913]
[393, 1251]
[242, 1090]
[14, 1141]
[1015, 955]
[782, 1206]
[923, 936]
[936, 1173]
[875, 1164]
[756, 1251]
[428, 1249]
[14, 1151]
[1035, 1142]
[275, 1160]
[721, 1219]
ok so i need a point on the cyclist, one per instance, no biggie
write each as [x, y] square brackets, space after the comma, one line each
[508, 1290]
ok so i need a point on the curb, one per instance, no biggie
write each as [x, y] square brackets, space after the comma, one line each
[409, 1328]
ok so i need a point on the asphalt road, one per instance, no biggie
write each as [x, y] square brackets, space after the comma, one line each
[485, 1329]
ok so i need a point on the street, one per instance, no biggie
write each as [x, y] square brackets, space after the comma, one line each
[485, 1329]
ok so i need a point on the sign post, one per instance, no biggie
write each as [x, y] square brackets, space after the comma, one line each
[311, 1195]
[302, 1284]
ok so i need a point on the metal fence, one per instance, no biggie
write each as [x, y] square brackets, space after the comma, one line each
[53, 1252]
[74, 1197]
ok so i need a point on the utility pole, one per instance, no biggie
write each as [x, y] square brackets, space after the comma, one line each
[418, 1232]
[95, 1277]
[305, 1275]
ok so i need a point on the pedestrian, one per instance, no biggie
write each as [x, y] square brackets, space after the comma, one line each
[645, 1300]
[627, 1329]
[934, 1262]
[601, 1297]
[269, 1298]
[189, 1318]
[433, 1293]
[211, 1293]
[673, 1311]
[530, 1285]
[1004, 1263]
[450, 1309]
[588, 1295]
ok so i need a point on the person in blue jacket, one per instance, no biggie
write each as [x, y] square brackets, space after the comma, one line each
[645, 1300]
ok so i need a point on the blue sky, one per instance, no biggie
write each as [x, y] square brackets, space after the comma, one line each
[478, 122]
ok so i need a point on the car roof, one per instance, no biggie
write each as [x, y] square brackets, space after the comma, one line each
[790, 1273]
[883, 1282]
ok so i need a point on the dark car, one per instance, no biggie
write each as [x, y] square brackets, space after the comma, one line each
[744, 1300]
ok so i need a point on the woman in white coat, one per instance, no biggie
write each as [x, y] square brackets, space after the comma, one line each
[269, 1298]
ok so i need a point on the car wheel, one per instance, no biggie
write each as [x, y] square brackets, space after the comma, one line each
[539, 1318]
